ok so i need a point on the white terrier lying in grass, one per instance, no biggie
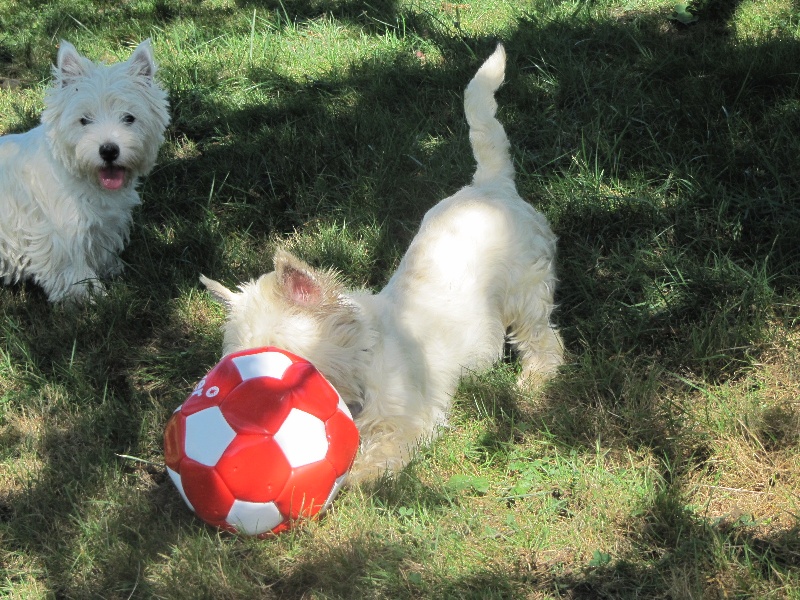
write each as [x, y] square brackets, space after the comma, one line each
[67, 187]
[480, 269]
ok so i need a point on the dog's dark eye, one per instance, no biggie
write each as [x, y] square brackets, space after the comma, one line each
[85, 121]
[128, 119]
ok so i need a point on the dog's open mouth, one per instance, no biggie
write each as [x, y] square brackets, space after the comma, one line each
[112, 177]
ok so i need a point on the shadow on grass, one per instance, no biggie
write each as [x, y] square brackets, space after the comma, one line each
[685, 558]
[678, 555]
[90, 389]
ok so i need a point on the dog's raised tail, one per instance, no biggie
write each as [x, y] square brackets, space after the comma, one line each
[489, 141]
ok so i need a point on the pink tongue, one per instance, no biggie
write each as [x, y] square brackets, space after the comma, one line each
[112, 178]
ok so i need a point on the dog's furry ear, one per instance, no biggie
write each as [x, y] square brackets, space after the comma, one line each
[299, 282]
[304, 285]
[69, 64]
[141, 62]
[219, 292]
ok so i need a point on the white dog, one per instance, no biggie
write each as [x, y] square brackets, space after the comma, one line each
[480, 269]
[67, 187]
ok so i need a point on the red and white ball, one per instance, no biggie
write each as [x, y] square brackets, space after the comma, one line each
[262, 441]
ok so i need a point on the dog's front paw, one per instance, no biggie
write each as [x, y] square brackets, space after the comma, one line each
[84, 292]
[536, 373]
[115, 267]
[366, 471]
[385, 450]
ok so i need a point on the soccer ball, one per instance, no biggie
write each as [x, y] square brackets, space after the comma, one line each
[263, 440]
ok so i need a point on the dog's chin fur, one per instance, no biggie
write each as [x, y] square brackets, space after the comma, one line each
[479, 271]
[65, 208]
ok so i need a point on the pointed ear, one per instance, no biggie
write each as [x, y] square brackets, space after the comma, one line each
[219, 292]
[141, 62]
[299, 282]
[69, 64]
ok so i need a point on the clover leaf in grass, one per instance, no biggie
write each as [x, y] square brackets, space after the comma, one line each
[681, 13]
[599, 559]
[463, 483]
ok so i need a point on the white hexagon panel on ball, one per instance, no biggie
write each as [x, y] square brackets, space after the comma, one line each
[254, 518]
[264, 364]
[207, 436]
[302, 438]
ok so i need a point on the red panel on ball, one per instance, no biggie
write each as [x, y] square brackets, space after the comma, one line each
[313, 394]
[307, 490]
[343, 441]
[174, 435]
[257, 406]
[254, 468]
[210, 497]
[213, 387]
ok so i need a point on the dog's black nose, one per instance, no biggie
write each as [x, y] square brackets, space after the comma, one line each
[109, 152]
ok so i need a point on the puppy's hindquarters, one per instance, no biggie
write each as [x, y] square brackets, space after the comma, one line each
[529, 302]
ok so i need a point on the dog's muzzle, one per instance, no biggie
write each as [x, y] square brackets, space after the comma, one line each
[111, 176]
[109, 152]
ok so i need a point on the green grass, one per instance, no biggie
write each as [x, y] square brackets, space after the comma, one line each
[662, 462]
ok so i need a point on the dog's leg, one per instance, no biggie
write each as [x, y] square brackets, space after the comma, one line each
[534, 338]
[386, 447]
[71, 284]
[60, 267]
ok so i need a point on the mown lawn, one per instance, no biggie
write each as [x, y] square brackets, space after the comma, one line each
[662, 462]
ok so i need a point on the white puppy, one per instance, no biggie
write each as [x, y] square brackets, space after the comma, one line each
[67, 187]
[480, 269]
